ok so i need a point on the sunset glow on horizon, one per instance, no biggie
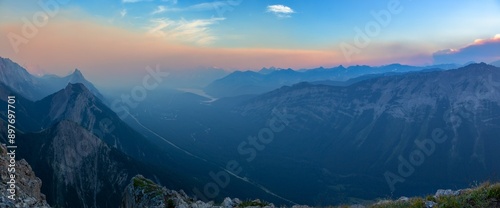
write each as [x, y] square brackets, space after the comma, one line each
[122, 37]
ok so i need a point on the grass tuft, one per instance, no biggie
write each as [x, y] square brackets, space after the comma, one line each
[484, 195]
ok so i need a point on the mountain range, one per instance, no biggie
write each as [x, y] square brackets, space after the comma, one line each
[365, 131]
[34, 88]
[267, 79]
[85, 154]
[345, 137]
[341, 137]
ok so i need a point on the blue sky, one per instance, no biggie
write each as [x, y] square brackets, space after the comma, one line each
[245, 34]
[312, 23]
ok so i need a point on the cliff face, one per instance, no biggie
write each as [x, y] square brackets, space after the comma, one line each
[78, 169]
[27, 193]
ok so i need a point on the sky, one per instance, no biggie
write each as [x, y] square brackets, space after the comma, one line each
[117, 38]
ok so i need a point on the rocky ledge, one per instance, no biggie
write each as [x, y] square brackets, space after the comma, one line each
[142, 192]
[27, 190]
[484, 195]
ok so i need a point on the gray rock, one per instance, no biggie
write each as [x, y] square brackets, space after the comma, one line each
[462, 191]
[403, 198]
[430, 204]
[270, 206]
[446, 192]
[28, 185]
[228, 203]
[237, 201]
[382, 202]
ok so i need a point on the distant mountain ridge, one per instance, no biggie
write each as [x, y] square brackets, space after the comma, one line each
[35, 88]
[267, 79]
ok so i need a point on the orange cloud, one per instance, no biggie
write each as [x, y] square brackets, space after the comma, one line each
[480, 51]
[101, 49]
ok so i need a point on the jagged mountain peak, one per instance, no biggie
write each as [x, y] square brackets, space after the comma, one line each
[16, 77]
[74, 91]
[75, 102]
[77, 73]
[34, 88]
[8, 62]
[77, 77]
[76, 87]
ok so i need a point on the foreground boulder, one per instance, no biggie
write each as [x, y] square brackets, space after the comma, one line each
[27, 191]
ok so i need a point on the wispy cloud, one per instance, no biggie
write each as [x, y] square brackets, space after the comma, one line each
[194, 31]
[123, 12]
[159, 10]
[170, 1]
[205, 6]
[281, 11]
[485, 50]
[133, 1]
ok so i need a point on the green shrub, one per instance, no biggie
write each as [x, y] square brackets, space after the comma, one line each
[170, 203]
[148, 186]
[417, 203]
[494, 191]
[249, 203]
[480, 196]
[430, 198]
[448, 202]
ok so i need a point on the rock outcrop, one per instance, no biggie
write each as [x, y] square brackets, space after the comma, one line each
[27, 191]
[142, 192]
